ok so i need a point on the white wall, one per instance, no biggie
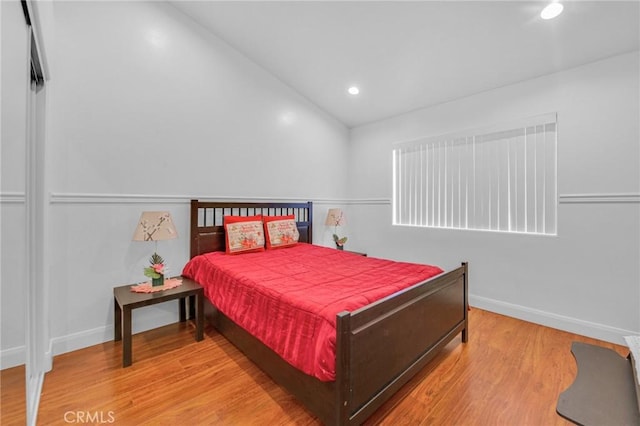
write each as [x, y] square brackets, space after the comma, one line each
[148, 110]
[587, 279]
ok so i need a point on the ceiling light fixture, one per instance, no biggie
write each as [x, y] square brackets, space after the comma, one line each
[353, 90]
[551, 11]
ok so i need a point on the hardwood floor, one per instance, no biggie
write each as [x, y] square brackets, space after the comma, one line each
[509, 373]
[12, 396]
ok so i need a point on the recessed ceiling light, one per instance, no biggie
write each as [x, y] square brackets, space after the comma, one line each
[353, 90]
[551, 11]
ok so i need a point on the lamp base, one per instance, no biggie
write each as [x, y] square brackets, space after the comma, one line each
[155, 282]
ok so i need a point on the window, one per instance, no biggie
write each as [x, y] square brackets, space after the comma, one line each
[500, 179]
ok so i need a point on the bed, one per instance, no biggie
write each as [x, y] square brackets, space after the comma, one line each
[416, 322]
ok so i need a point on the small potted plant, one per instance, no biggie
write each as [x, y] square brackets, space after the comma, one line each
[339, 241]
[156, 270]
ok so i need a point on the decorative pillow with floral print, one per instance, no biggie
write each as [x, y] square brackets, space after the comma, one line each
[244, 234]
[281, 231]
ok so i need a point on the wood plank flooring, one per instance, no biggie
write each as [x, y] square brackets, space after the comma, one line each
[509, 373]
[12, 396]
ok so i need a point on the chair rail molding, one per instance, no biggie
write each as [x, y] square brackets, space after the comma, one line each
[12, 197]
[602, 198]
[106, 198]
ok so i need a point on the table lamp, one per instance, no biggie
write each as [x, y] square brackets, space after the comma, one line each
[335, 218]
[155, 226]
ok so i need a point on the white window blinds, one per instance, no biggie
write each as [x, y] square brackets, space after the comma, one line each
[500, 179]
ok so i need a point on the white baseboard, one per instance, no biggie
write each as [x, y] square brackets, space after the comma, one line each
[79, 340]
[96, 336]
[12, 357]
[548, 319]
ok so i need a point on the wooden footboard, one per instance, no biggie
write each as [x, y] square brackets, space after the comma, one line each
[383, 345]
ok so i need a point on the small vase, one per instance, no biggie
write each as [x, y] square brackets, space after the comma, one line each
[155, 282]
[339, 247]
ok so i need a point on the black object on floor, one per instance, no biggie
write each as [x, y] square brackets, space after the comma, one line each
[603, 392]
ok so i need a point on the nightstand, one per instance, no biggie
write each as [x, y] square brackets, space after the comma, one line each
[357, 252]
[125, 300]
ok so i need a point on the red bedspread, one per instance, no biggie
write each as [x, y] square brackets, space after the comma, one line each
[288, 298]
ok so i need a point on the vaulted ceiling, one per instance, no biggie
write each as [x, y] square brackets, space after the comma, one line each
[409, 55]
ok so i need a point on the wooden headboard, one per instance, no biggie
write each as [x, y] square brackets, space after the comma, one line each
[207, 230]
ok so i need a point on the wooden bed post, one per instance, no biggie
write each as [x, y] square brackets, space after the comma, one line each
[194, 229]
[310, 220]
[465, 331]
[343, 378]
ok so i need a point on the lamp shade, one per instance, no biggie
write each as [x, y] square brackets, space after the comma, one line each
[155, 226]
[335, 217]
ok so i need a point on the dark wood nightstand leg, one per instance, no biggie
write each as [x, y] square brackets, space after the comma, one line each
[192, 307]
[117, 321]
[199, 316]
[183, 309]
[126, 338]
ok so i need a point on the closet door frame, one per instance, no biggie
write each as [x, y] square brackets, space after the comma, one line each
[37, 351]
